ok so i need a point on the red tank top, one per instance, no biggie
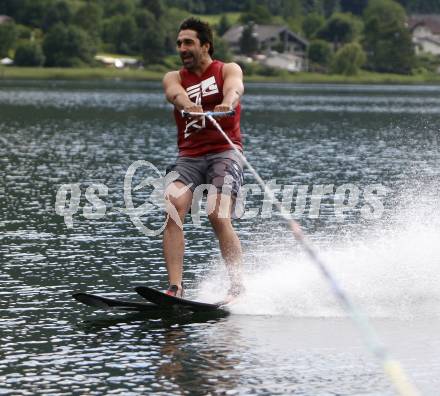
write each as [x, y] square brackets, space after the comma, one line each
[194, 138]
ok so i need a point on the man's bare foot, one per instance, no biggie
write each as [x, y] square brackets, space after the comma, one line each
[235, 291]
[175, 291]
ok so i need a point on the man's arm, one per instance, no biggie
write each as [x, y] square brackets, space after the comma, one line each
[232, 87]
[176, 94]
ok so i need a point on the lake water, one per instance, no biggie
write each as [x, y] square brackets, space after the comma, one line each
[288, 334]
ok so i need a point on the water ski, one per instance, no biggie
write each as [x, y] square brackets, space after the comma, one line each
[111, 304]
[166, 301]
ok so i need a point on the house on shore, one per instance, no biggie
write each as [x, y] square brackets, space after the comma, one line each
[425, 31]
[277, 46]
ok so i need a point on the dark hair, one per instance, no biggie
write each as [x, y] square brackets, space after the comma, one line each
[203, 30]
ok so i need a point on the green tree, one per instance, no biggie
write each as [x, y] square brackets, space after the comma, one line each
[68, 46]
[257, 14]
[426, 62]
[310, 6]
[355, 7]
[312, 23]
[340, 29]
[156, 7]
[11, 8]
[290, 11]
[385, 11]
[151, 37]
[221, 49]
[32, 12]
[331, 6]
[23, 32]
[118, 7]
[248, 41]
[57, 12]
[144, 19]
[319, 54]
[387, 41]
[290, 8]
[121, 32]
[152, 44]
[8, 37]
[29, 54]
[223, 25]
[348, 60]
[88, 17]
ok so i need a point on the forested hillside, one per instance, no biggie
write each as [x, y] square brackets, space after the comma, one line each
[344, 35]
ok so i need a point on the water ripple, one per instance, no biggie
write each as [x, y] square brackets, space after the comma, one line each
[288, 336]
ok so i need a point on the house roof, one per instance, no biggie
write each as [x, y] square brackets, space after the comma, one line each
[429, 40]
[233, 34]
[5, 18]
[262, 33]
[431, 21]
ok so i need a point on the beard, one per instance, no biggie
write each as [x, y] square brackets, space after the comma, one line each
[189, 60]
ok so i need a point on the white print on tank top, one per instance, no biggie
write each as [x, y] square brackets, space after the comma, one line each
[196, 92]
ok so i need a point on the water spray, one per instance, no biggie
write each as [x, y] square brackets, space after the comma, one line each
[392, 367]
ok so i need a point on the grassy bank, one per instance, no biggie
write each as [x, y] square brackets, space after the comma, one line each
[39, 73]
[361, 78]
[156, 75]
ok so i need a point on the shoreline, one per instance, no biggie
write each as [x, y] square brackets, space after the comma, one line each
[32, 73]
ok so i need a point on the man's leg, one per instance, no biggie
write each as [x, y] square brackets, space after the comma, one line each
[219, 207]
[173, 238]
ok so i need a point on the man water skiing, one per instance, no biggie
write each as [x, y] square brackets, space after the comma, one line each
[205, 157]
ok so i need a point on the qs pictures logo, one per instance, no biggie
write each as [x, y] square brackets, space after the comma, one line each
[148, 197]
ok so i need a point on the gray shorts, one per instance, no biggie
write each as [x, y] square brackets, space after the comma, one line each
[222, 170]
